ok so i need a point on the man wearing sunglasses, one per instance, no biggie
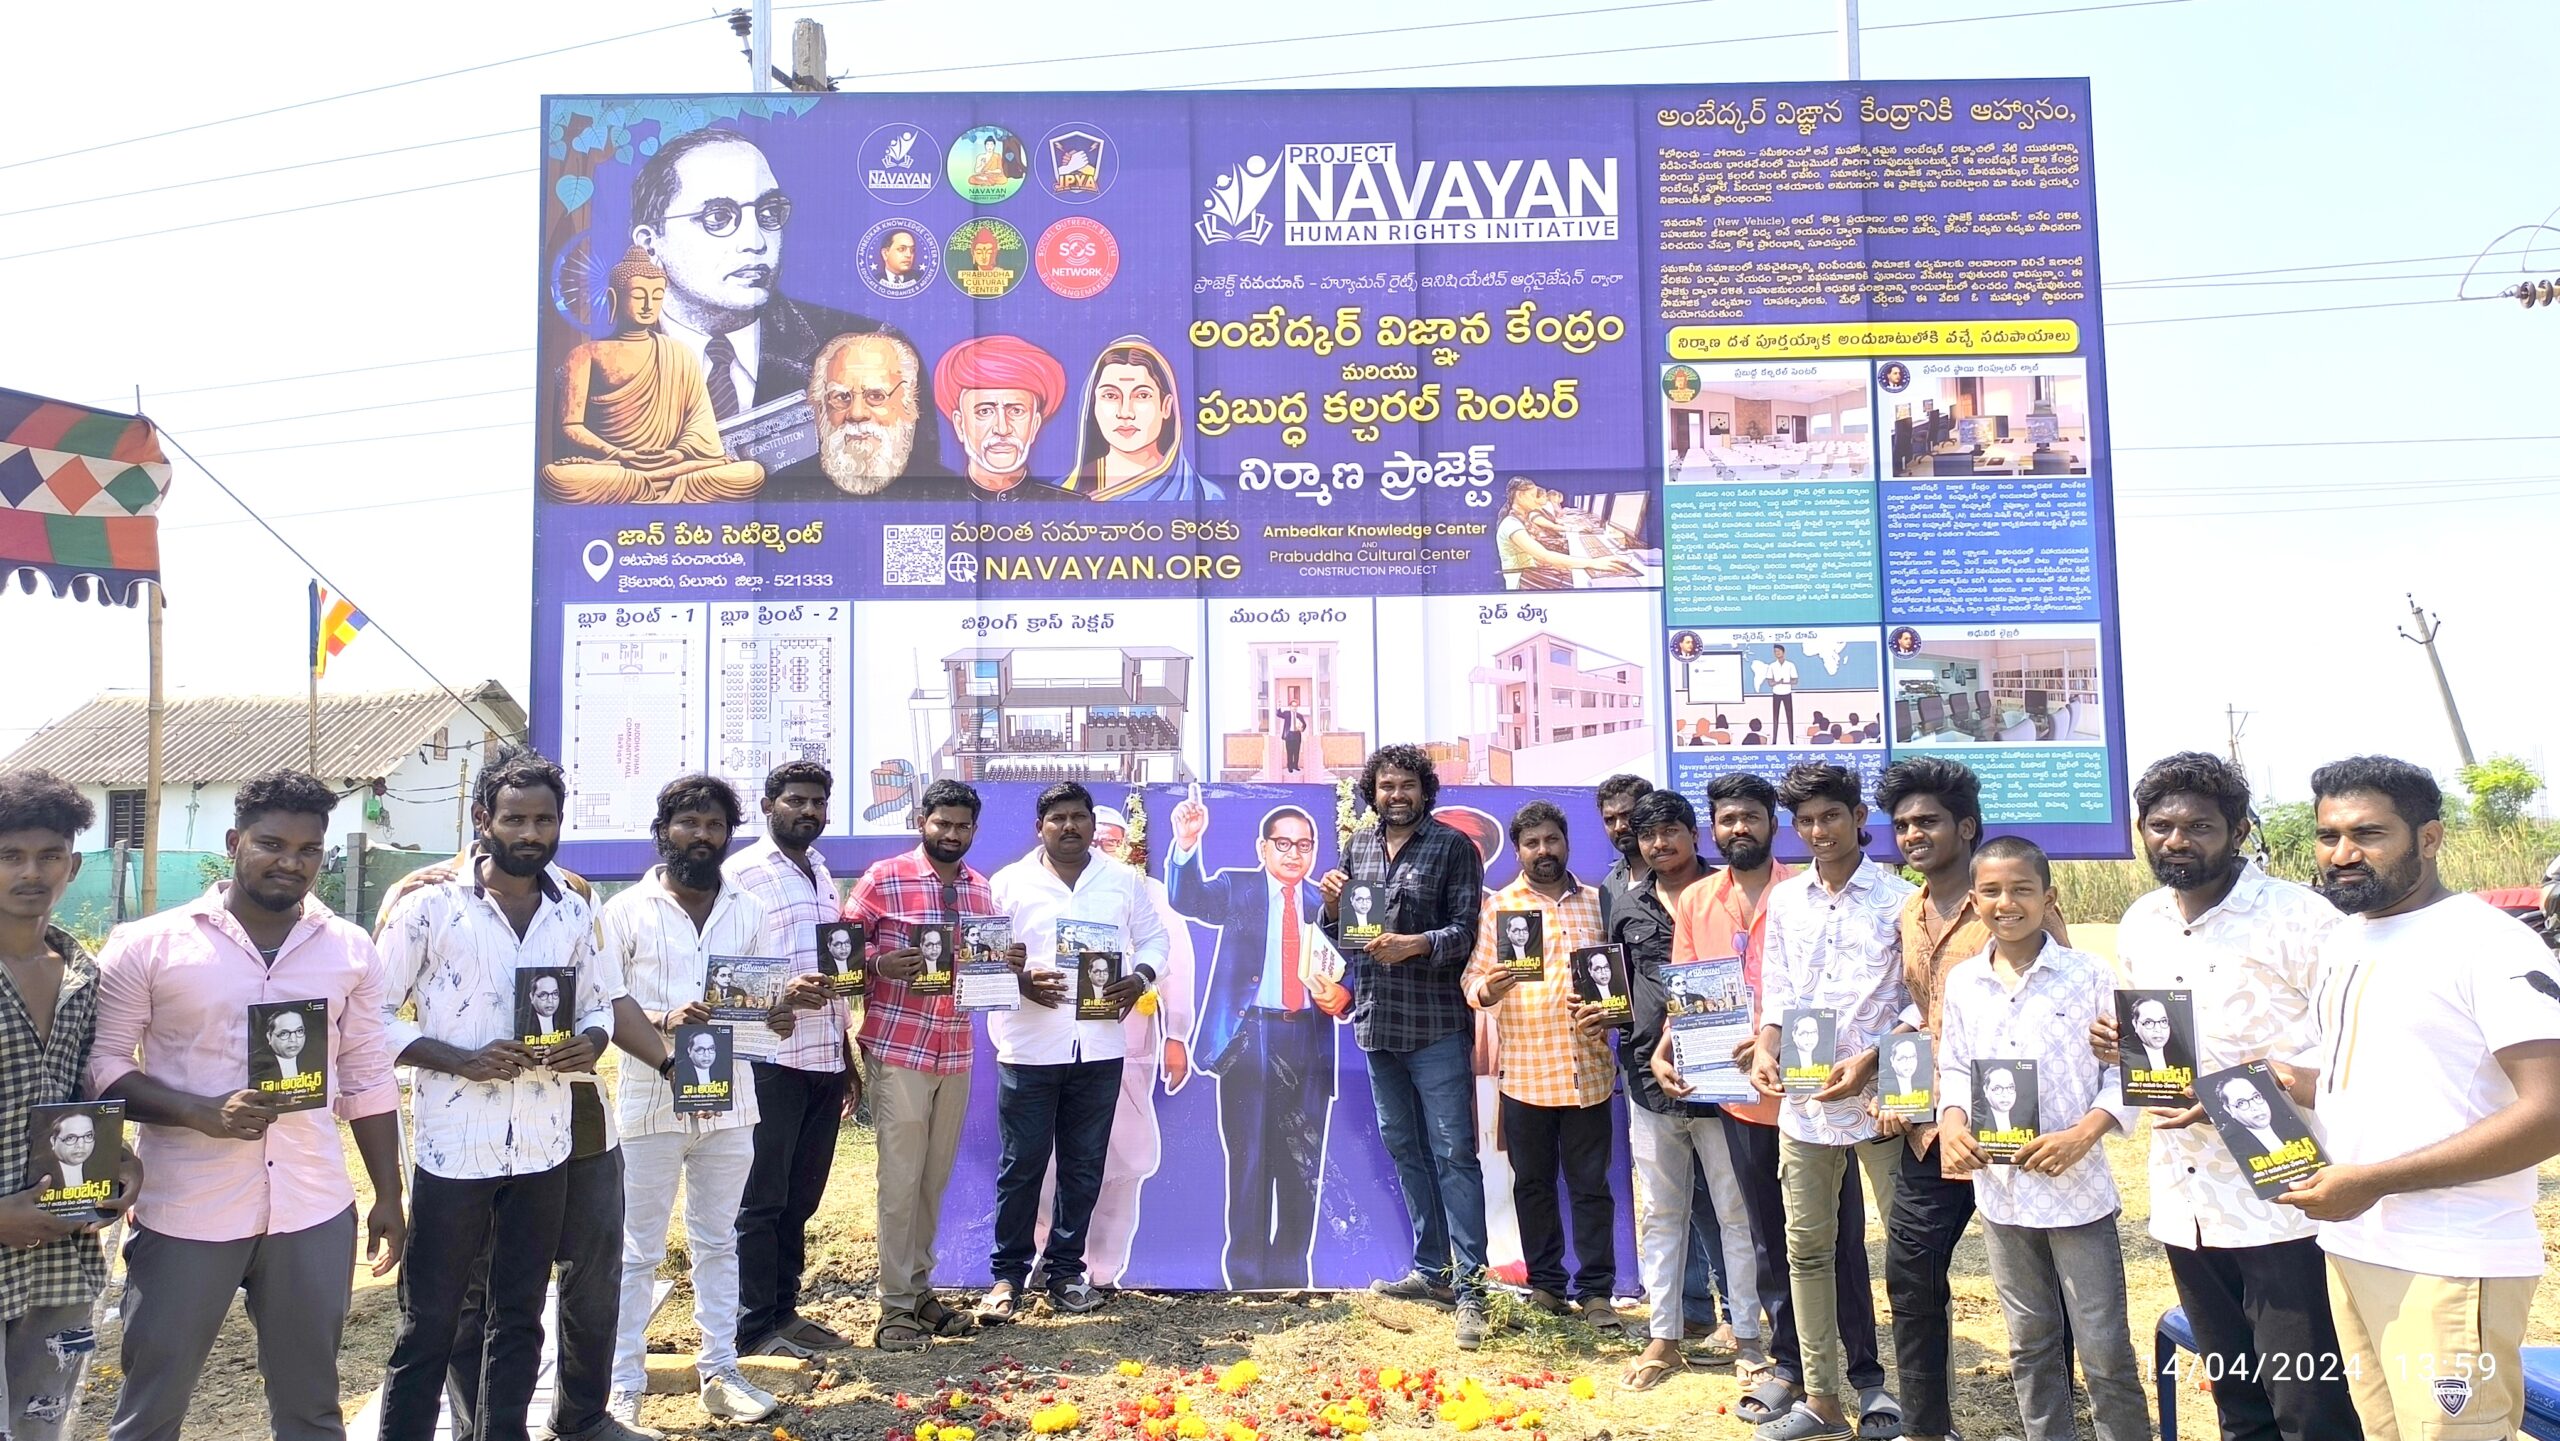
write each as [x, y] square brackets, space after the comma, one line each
[708, 209]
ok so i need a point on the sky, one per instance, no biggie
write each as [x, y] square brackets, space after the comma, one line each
[2284, 480]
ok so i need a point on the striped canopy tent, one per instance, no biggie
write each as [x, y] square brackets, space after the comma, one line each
[80, 492]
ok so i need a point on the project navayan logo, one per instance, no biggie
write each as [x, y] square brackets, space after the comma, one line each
[1365, 193]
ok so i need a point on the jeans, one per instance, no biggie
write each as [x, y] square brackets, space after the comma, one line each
[711, 1167]
[799, 1115]
[44, 1357]
[1426, 1103]
[1929, 1215]
[2085, 1266]
[590, 1270]
[1819, 1238]
[2247, 1302]
[516, 1220]
[1668, 1150]
[1063, 1111]
[1544, 1140]
[1704, 1282]
[176, 1295]
[1755, 1166]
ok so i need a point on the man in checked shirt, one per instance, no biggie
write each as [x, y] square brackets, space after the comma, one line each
[1412, 1020]
[918, 1048]
[1556, 1077]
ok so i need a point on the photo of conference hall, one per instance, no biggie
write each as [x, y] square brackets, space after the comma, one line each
[1730, 423]
[2029, 418]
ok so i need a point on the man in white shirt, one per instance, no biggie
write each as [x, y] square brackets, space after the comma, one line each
[492, 1115]
[2436, 1073]
[1780, 681]
[1060, 1076]
[2249, 1273]
[804, 1092]
[664, 931]
[1834, 942]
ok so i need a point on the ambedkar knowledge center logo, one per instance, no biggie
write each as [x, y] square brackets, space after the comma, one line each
[1233, 210]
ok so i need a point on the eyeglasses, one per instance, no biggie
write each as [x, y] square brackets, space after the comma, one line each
[720, 217]
[1305, 847]
[841, 397]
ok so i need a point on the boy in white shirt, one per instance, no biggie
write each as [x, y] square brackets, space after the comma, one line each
[2437, 1077]
[2049, 1220]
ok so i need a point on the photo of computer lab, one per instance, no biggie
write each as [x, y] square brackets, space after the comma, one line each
[1958, 426]
[2002, 692]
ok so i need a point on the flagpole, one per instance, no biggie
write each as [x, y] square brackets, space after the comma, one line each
[311, 665]
[154, 756]
[311, 715]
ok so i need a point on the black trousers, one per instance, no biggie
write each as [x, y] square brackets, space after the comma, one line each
[1930, 1213]
[1275, 1089]
[1755, 1164]
[2250, 1303]
[1043, 1111]
[590, 1265]
[1544, 1140]
[517, 1220]
[801, 1112]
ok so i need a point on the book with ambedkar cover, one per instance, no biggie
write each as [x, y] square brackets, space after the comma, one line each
[73, 1152]
[2003, 1112]
[289, 1053]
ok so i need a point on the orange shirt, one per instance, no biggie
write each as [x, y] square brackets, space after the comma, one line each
[1712, 921]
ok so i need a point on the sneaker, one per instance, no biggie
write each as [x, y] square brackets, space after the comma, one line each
[1076, 1297]
[613, 1428]
[776, 1343]
[1471, 1324]
[729, 1396]
[1415, 1287]
[622, 1410]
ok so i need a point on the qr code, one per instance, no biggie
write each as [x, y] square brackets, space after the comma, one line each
[911, 555]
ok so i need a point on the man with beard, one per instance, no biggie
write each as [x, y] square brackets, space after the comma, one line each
[2250, 947]
[1935, 807]
[918, 1046]
[2435, 1067]
[1267, 1033]
[1412, 1019]
[663, 932]
[1672, 1138]
[805, 1091]
[252, 1199]
[863, 395]
[494, 1117]
[521, 833]
[1556, 1080]
[997, 391]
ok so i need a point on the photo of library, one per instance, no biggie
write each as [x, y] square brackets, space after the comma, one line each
[1719, 428]
[2033, 420]
[2039, 688]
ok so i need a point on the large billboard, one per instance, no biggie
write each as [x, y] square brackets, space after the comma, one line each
[1150, 440]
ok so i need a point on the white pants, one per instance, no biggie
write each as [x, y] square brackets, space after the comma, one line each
[712, 1167]
[1665, 1149]
[1136, 1150]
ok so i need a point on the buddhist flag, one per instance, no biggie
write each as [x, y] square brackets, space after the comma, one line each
[334, 622]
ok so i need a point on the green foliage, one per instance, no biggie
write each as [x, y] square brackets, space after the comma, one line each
[2500, 788]
[332, 888]
[2285, 829]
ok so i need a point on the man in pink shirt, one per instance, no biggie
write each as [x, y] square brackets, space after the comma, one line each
[242, 1195]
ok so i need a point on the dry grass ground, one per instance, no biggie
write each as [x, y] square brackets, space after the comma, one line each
[1303, 1346]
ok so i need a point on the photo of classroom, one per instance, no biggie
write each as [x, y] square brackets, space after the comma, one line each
[1717, 427]
[1958, 425]
[2039, 688]
[1796, 689]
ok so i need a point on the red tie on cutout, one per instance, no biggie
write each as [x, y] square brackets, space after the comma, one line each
[1293, 989]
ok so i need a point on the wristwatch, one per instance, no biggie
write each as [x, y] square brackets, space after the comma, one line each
[667, 1066]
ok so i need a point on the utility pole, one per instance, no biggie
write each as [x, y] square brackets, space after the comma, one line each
[2428, 625]
[809, 57]
[1849, 67]
[2235, 721]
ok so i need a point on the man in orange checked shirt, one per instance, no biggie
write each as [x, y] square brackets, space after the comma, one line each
[1936, 809]
[1556, 1079]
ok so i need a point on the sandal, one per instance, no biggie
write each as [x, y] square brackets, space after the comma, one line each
[1879, 1415]
[996, 1307]
[899, 1333]
[1651, 1371]
[941, 1320]
[1767, 1401]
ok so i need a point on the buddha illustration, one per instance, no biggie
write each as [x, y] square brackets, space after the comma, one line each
[635, 415]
